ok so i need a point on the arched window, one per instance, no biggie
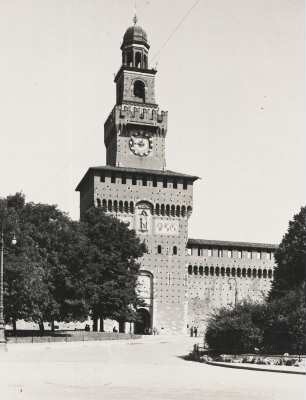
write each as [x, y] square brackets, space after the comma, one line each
[116, 205]
[159, 249]
[162, 209]
[259, 274]
[183, 211]
[104, 205]
[168, 210]
[244, 272]
[131, 207]
[178, 211]
[222, 271]
[189, 269]
[206, 271]
[98, 203]
[249, 272]
[145, 61]
[130, 58]
[238, 272]
[120, 206]
[138, 60]
[201, 270]
[173, 211]
[157, 210]
[174, 250]
[228, 271]
[233, 272]
[211, 271]
[139, 90]
[126, 207]
[195, 270]
[217, 271]
[110, 205]
[254, 273]
[264, 273]
[270, 273]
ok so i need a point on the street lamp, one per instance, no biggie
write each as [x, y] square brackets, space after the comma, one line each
[2, 324]
[236, 289]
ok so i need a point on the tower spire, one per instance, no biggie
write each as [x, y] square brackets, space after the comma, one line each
[135, 19]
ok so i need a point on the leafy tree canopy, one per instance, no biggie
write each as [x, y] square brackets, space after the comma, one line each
[291, 257]
[111, 266]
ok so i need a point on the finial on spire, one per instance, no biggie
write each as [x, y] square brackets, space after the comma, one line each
[135, 19]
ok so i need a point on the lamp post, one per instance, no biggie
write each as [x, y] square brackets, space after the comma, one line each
[2, 323]
[236, 289]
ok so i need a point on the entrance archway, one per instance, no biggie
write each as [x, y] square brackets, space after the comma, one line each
[143, 322]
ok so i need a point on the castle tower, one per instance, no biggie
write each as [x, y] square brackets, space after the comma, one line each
[135, 187]
[135, 131]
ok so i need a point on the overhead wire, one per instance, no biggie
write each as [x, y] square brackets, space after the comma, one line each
[177, 27]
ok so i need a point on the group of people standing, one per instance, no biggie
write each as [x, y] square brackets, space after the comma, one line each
[193, 331]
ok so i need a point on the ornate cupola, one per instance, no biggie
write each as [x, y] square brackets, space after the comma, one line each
[135, 47]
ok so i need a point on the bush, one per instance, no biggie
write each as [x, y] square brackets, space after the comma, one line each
[237, 330]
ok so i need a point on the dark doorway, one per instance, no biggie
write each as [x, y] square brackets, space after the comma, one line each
[143, 322]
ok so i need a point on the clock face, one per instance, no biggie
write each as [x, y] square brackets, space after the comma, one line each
[140, 144]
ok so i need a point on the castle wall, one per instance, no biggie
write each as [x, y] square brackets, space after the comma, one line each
[223, 277]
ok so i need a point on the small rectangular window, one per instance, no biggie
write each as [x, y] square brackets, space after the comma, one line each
[174, 185]
[184, 185]
[113, 179]
[154, 183]
[134, 181]
[123, 180]
[102, 178]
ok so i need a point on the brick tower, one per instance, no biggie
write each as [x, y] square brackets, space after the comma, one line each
[135, 187]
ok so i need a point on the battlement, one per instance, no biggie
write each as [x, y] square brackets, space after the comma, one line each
[122, 115]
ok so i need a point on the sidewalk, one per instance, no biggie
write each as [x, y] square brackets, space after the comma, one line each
[258, 367]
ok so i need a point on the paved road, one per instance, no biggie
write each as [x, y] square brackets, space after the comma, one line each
[148, 369]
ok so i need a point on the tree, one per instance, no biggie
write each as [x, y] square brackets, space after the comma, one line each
[291, 257]
[285, 326]
[42, 281]
[111, 268]
[236, 330]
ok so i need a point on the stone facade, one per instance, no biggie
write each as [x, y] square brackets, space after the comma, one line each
[181, 280]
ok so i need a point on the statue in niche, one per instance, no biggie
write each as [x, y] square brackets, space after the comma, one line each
[143, 221]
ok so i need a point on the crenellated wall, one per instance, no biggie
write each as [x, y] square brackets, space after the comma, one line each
[223, 275]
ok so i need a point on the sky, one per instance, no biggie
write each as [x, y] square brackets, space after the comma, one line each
[231, 75]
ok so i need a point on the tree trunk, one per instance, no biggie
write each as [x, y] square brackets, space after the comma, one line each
[14, 327]
[101, 324]
[121, 326]
[95, 324]
[41, 328]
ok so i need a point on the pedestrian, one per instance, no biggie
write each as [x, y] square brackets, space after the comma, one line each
[195, 331]
[191, 331]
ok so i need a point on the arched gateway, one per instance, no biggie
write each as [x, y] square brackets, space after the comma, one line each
[143, 322]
